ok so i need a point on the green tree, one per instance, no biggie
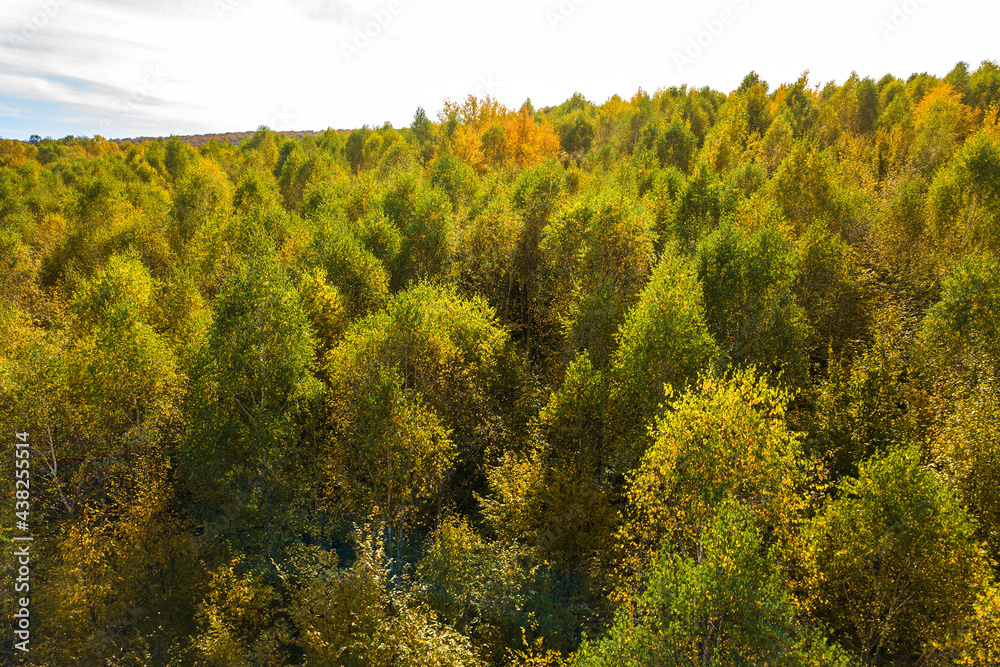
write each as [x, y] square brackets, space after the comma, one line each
[960, 341]
[488, 246]
[863, 406]
[357, 617]
[964, 197]
[613, 263]
[413, 405]
[893, 565]
[725, 606]
[358, 275]
[202, 194]
[968, 449]
[828, 289]
[750, 306]
[664, 342]
[940, 123]
[251, 393]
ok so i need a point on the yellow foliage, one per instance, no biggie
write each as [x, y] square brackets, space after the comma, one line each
[15, 153]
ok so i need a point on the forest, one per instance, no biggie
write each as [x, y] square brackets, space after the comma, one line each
[690, 378]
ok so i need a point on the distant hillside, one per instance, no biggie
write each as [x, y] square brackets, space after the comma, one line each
[198, 140]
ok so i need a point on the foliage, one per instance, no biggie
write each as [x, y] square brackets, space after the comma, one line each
[680, 376]
[893, 564]
[724, 607]
[721, 439]
[750, 304]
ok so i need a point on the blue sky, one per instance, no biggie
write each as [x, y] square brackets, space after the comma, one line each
[124, 68]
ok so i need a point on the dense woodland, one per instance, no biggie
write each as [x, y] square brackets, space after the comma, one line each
[683, 379]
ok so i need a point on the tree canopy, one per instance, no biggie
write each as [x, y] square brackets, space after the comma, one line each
[676, 378]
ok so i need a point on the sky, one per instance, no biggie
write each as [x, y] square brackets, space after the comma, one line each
[128, 68]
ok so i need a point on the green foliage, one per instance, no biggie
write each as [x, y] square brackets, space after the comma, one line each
[489, 245]
[674, 144]
[664, 342]
[750, 306]
[576, 133]
[941, 123]
[964, 197]
[453, 176]
[647, 376]
[557, 499]
[202, 194]
[862, 407]
[727, 606]
[960, 337]
[476, 586]
[251, 387]
[411, 391]
[357, 616]
[699, 209]
[123, 373]
[427, 229]
[613, 263]
[968, 449]
[893, 564]
[828, 289]
[352, 268]
[806, 188]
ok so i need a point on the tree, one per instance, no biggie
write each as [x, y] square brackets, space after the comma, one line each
[358, 275]
[699, 209]
[960, 340]
[124, 375]
[968, 449]
[454, 177]
[613, 263]
[357, 617]
[536, 195]
[478, 587]
[807, 188]
[750, 306]
[941, 123]
[863, 407]
[576, 133]
[556, 499]
[427, 238]
[725, 606]
[486, 251]
[664, 342]
[893, 565]
[252, 389]
[721, 439]
[984, 85]
[425, 132]
[827, 288]
[964, 196]
[203, 194]
[675, 145]
[412, 405]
